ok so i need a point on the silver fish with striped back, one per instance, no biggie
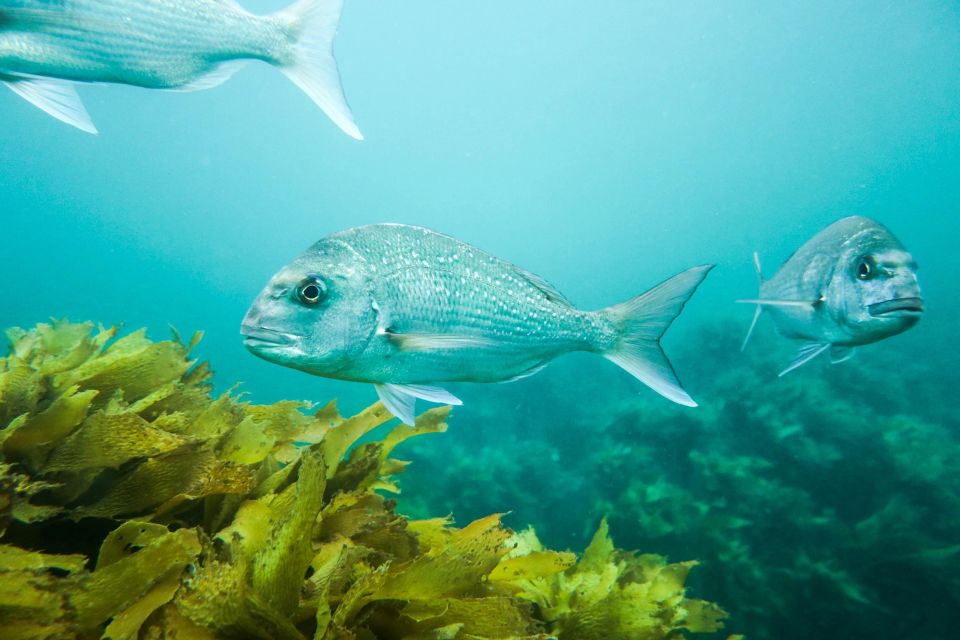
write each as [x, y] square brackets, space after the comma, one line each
[406, 309]
[852, 284]
[184, 45]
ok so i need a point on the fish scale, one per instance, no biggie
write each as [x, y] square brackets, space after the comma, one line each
[819, 297]
[405, 308]
[163, 44]
[492, 297]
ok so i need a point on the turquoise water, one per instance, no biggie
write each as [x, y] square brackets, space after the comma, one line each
[605, 148]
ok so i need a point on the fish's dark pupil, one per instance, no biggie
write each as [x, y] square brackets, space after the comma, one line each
[865, 269]
[310, 293]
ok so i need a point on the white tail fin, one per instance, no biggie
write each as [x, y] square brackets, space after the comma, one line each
[759, 309]
[643, 321]
[313, 67]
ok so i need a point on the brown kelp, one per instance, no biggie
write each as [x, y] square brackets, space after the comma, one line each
[134, 504]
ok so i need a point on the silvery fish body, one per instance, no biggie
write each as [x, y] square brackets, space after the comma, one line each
[852, 284]
[405, 308]
[163, 44]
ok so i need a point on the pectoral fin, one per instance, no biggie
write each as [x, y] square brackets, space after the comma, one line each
[805, 354]
[400, 399]
[756, 313]
[433, 341]
[57, 97]
[840, 354]
[806, 304]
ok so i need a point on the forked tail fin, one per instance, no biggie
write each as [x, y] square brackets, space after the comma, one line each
[642, 322]
[759, 309]
[313, 67]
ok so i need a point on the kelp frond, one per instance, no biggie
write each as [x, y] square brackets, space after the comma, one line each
[133, 504]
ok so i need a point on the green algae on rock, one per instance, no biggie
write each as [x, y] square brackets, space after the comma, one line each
[133, 504]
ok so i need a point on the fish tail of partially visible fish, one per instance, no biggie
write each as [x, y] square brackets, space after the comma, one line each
[312, 66]
[759, 309]
[642, 321]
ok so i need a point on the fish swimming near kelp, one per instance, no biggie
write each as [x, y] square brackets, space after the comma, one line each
[851, 284]
[405, 308]
[184, 45]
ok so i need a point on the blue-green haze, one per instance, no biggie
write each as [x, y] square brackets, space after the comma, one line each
[604, 146]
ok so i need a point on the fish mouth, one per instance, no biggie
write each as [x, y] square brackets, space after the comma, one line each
[897, 307]
[265, 338]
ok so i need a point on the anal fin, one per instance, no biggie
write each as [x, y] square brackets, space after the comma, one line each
[214, 78]
[537, 368]
[400, 399]
[807, 352]
[56, 97]
[840, 354]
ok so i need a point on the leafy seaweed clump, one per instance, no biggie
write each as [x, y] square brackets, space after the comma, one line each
[133, 504]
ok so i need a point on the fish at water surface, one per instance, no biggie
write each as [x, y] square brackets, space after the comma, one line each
[405, 308]
[852, 284]
[186, 45]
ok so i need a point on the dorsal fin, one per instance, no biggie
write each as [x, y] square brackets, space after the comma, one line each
[234, 5]
[758, 268]
[756, 313]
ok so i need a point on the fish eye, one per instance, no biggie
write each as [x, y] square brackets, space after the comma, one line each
[310, 291]
[866, 268]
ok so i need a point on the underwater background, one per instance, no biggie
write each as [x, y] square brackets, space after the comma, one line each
[604, 149]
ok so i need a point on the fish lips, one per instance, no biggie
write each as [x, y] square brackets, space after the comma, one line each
[263, 338]
[897, 308]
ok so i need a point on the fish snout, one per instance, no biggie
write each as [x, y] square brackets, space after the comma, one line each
[264, 337]
[251, 320]
[899, 307]
[257, 336]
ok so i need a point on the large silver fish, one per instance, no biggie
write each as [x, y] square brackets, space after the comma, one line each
[184, 45]
[405, 308]
[851, 284]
